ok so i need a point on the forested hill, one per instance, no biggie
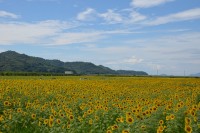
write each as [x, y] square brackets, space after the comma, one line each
[11, 61]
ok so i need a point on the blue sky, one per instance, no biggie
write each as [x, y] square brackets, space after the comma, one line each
[146, 35]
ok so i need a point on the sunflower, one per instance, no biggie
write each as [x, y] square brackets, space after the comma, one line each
[71, 117]
[58, 121]
[118, 119]
[147, 112]
[55, 113]
[96, 118]
[172, 116]
[133, 110]
[1, 118]
[161, 122]
[125, 131]
[90, 121]
[178, 105]
[105, 108]
[154, 108]
[188, 129]
[109, 131]
[159, 131]
[33, 116]
[121, 119]
[160, 128]
[167, 118]
[89, 112]
[68, 126]
[129, 120]
[112, 127]
[143, 127]
[6, 103]
[115, 126]
[50, 122]
[143, 113]
[46, 121]
[192, 113]
[51, 117]
[62, 115]
[187, 121]
[19, 110]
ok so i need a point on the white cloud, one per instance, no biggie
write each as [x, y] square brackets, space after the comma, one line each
[172, 48]
[87, 15]
[119, 50]
[6, 14]
[181, 16]
[171, 54]
[87, 37]
[129, 63]
[31, 33]
[91, 14]
[136, 17]
[70, 38]
[133, 60]
[111, 17]
[148, 3]
[50, 32]
[133, 17]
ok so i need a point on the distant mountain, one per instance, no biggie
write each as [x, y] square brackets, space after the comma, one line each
[195, 75]
[14, 62]
[128, 72]
[88, 68]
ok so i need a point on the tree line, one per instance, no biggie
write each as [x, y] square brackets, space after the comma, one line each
[30, 74]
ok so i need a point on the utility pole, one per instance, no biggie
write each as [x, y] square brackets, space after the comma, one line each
[157, 70]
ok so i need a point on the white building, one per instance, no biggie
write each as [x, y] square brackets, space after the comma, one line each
[69, 72]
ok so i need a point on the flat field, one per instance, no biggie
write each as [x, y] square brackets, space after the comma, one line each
[98, 104]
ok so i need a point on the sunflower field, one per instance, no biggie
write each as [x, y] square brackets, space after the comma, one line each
[98, 104]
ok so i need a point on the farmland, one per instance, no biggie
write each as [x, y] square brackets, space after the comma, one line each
[98, 104]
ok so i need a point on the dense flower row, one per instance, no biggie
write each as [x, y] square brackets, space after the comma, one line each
[100, 104]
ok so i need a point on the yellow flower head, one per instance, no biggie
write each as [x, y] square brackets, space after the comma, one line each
[129, 120]
[188, 129]
[161, 122]
[1, 118]
[125, 131]
[51, 117]
[167, 118]
[160, 128]
[33, 116]
[50, 122]
[58, 121]
[71, 117]
[172, 116]
[109, 131]
[19, 110]
[6, 103]
[90, 121]
[143, 126]
[187, 121]
[46, 121]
